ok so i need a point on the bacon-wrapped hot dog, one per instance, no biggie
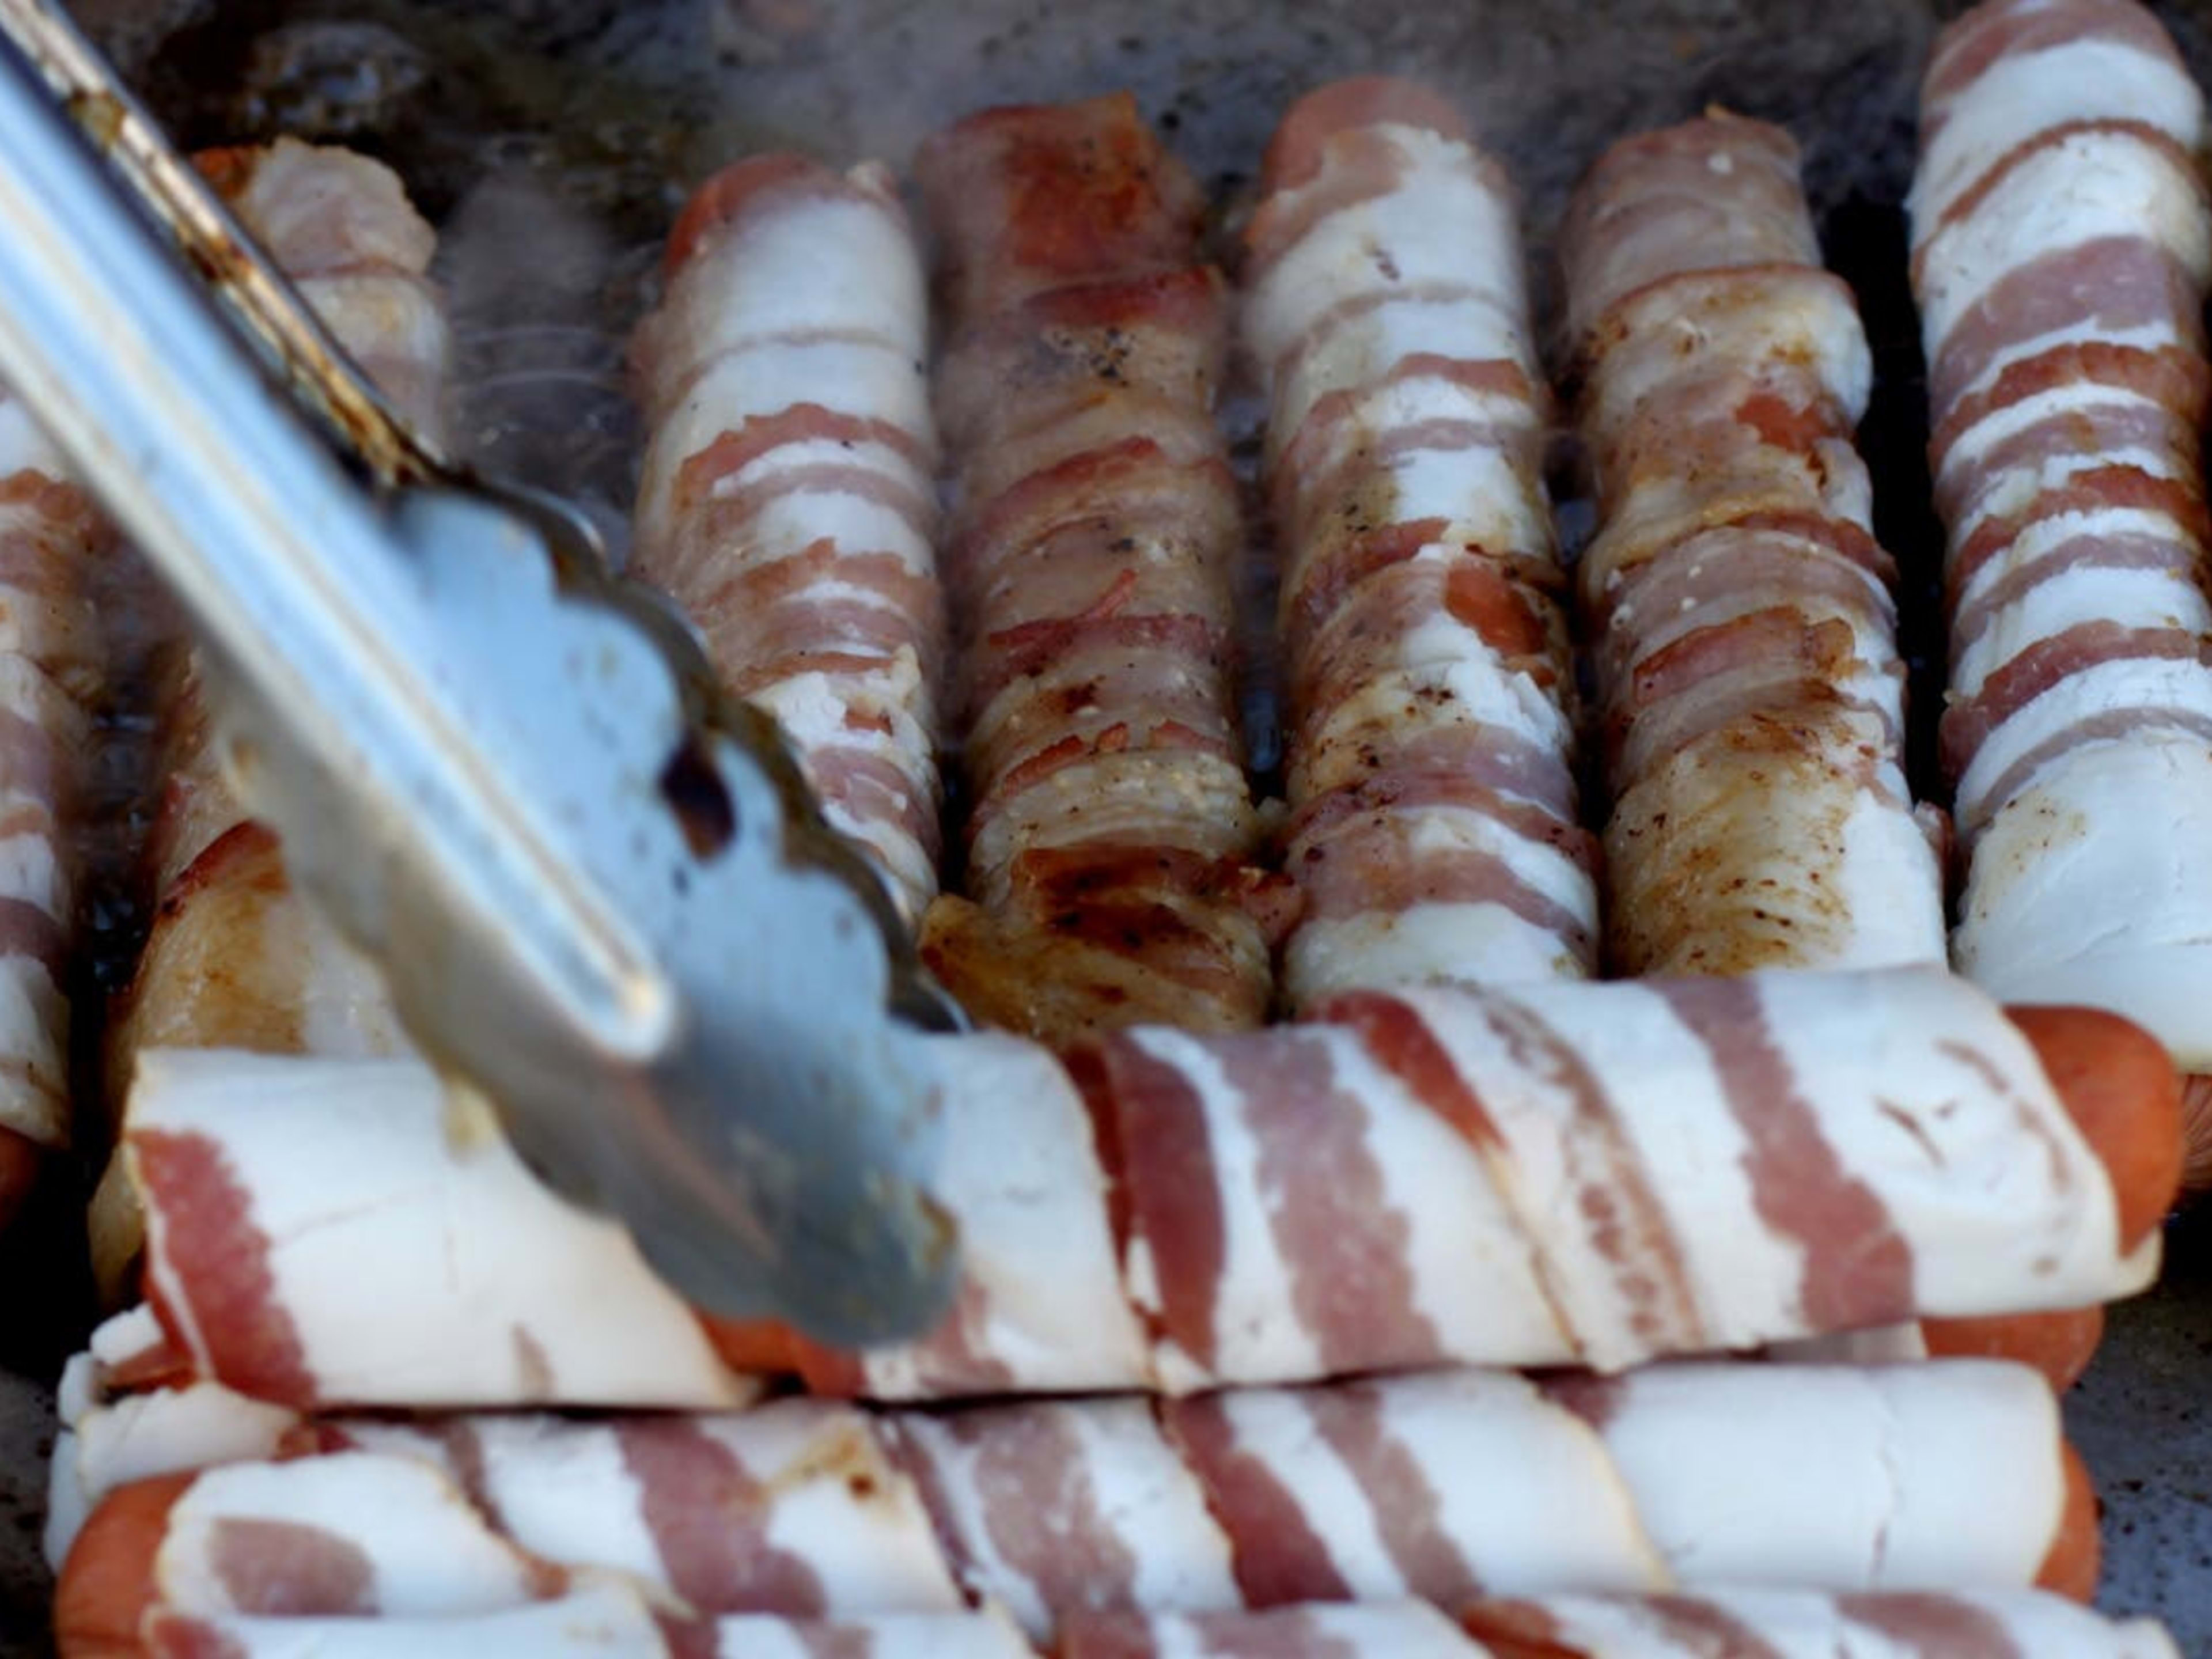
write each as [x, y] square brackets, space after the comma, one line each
[55, 551]
[1442, 1487]
[235, 958]
[1638, 1169]
[1089, 564]
[2061, 246]
[787, 502]
[1740, 607]
[1433, 830]
[607, 1619]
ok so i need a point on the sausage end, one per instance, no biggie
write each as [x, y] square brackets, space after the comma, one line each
[2125, 1096]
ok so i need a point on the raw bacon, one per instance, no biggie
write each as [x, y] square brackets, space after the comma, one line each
[235, 958]
[1637, 1169]
[1095, 522]
[1739, 608]
[787, 502]
[1445, 1487]
[607, 1619]
[2062, 242]
[1421, 602]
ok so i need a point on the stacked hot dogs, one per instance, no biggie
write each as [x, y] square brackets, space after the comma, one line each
[1241, 1280]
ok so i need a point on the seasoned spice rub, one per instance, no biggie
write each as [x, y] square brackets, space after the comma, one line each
[1739, 607]
[1433, 833]
[1445, 1487]
[1637, 1170]
[787, 502]
[1088, 567]
[2061, 246]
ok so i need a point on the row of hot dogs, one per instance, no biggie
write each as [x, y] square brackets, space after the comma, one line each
[1459, 1154]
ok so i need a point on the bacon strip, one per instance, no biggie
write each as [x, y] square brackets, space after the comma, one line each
[607, 1619]
[470, 1283]
[1639, 1169]
[1096, 523]
[1421, 602]
[786, 501]
[2062, 243]
[1739, 609]
[1443, 1486]
[235, 957]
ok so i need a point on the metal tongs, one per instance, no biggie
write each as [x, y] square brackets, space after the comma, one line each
[597, 888]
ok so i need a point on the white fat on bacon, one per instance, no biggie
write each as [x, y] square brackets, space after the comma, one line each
[1443, 1488]
[1891, 1461]
[1746, 637]
[1563, 1173]
[111, 1439]
[2062, 242]
[1053, 1507]
[2073, 901]
[2082, 187]
[2024, 94]
[1041, 1306]
[786, 500]
[797, 1504]
[1386, 312]
[377, 1273]
[376, 1535]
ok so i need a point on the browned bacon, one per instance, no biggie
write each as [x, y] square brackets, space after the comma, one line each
[787, 504]
[1445, 1487]
[1420, 595]
[2062, 241]
[1110, 828]
[1739, 607]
